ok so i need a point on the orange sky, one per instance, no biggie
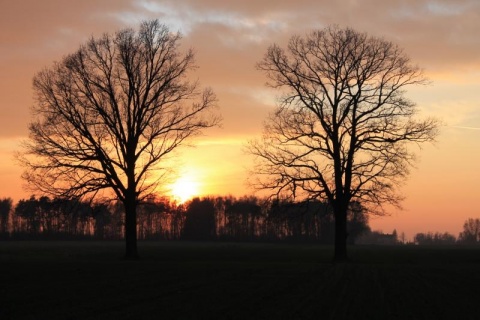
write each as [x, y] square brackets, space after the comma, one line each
[229, 37]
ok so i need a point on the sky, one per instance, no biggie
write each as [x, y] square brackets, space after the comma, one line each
[229, 38]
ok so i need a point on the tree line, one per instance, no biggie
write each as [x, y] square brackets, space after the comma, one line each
[469, 235]
[210, 218]
[221, 218]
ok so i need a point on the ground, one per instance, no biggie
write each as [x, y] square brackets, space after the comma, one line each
[183, 280]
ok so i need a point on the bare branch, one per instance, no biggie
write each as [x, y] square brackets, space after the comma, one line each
[112, 111]
[342, 129]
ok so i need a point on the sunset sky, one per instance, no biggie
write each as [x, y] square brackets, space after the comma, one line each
[229, 37]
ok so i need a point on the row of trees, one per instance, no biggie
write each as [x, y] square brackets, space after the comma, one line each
[211, 218]
[469, 235]
[436, 238]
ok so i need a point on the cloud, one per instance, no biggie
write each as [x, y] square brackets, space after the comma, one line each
[229, 38]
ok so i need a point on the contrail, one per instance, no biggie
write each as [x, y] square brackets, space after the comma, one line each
[464, 127]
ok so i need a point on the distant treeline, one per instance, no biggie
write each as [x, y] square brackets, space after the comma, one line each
[210, 218]
[469, 235]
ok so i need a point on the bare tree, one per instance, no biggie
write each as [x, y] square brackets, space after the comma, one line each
[108, 115]
[342, 127]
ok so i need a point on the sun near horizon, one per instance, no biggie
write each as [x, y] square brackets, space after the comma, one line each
[184, 188]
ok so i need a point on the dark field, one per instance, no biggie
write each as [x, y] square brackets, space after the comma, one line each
[89, 280]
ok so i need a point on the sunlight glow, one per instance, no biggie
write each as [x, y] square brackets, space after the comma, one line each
[184, 189]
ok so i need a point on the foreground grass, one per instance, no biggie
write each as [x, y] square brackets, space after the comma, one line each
[89, 280]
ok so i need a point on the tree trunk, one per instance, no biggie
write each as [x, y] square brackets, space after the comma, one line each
[340, 254]
[131, 252]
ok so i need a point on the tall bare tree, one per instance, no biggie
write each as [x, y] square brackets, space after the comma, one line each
[108, 115]
[343, 125]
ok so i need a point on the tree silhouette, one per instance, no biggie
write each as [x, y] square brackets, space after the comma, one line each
[242, 217]
[108, 115]
[436, 238]
[341, 130]
[471, 231]
[28, 211]
[6, 206]
[220, 218]
[200, 220]
[357, 222]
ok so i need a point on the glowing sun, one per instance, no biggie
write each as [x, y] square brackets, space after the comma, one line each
[184, 189]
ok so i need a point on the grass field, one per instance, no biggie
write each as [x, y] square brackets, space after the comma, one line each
[89, 280]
